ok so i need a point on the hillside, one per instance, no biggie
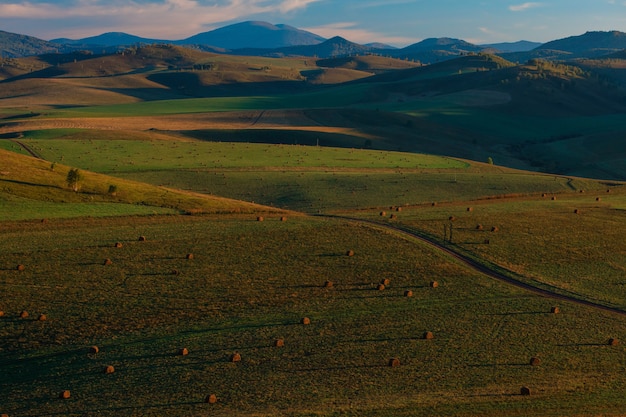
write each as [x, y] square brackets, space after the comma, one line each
[13, 45]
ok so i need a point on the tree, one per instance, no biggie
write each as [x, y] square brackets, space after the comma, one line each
[490, 161]
[74, 176]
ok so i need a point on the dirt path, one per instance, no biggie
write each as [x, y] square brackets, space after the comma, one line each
[27, 148]
[483, 269]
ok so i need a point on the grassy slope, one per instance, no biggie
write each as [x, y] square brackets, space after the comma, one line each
[140, 315]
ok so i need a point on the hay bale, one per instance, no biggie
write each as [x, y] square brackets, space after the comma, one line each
[479, 227]
[525, 391]
[398, 209]
[20, 267]
[305, 321]
[535, 361]
[553, 198]
[486, 241]
[24, 314]
[328, 284]
[279, 343]
[142, 238]
[380, 287]
[394, 362]
[608, 190]
[175, 272]
[470, 209]
[555, 310]
[613, 342]
[183, 352]
[385, 282]
[119, 245]
[211, 399]
[452, 218]
[544, 195]
[408, 293]
[576, 211]
[434, 284]
[107, 262]
[260, 219]
[350, 253]
[235, 357]
[1, 313]
[598, 199]
[393, 217]
[428, 336]
[189, 256]
[94, 349]
[109, 369]
[383, 213]
[64, 395]
[283, 219]
[42, 317]
[495, 229]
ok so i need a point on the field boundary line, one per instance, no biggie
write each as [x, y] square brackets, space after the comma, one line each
[490, 271]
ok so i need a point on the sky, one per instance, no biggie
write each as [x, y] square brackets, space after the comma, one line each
[395, 22]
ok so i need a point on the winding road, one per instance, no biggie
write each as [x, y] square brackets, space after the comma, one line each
[481, 268]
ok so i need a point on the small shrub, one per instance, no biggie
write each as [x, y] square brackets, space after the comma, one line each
[394, 362]
[525, 391]
[211, 399]
[64, 395]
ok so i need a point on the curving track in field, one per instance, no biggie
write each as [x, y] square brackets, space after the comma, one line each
[483, 269]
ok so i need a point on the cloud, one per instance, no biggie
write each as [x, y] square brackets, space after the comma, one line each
[163, 19]
[523, 7]
[351, 32]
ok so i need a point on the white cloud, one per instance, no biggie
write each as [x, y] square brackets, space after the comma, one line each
[523, 7]
[167, 19]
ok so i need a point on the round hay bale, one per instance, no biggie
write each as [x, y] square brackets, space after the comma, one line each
[486, 241]
[525, 391]
[44, 220]
[495, 229]
[383, 213]
[394, 362]
[350, 253]
[535, 361]
[470, 209]
[189, 256]
[613, 342]
[211, 399]
[328, 284]
[20, 267]
[119, 245]
[260, 219]
[433, 204]
[385, 282]
[94, 349]
[544, 195]
[393, 217]
[553, 198]
[582, 191]
[1, 313]
[107, 262]
[142, 238]
[555, 310]
[109, 369]
[64, 395]
[576, 211]
[305, 320]
[479, 227]
[608, 190]
[24, 314]
[183, 352]
[235, 357]
[398, 209]
[428, 336]
[452, 218]
[598, 199]
[175, 272]
[279, 343]
[434, 284]
[283, 219]
[380, 287]
[408, 293]
[4, 415]
[42, 317]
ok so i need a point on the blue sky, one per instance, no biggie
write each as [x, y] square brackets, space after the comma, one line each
[397, 22]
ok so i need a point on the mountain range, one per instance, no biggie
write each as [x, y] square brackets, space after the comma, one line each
[265, 39]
